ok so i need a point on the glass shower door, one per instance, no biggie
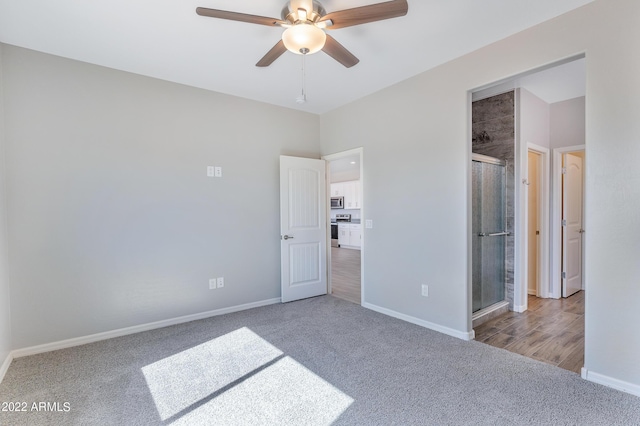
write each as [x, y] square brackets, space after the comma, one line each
[488, 236]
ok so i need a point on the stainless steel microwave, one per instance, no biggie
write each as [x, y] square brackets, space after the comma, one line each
[337, 202]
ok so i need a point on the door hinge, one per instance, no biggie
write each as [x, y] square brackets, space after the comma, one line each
[564, 275]
[564, 222]
[564, 170]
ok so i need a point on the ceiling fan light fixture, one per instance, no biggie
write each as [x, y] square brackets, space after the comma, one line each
[304, 38]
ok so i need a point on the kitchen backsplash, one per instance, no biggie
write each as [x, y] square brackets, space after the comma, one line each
[355, 214]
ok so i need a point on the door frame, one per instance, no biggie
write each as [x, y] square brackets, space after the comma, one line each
[556, 222]
[328, 158]
[543, 288]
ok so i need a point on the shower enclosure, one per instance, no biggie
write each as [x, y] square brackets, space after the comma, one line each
[488, 231]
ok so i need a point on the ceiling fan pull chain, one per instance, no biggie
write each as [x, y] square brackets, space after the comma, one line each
[304, 77]
[303, 96]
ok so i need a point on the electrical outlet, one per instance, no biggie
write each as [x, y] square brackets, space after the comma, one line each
[212, 284]
[220, 282]
[217, 171]
[425, 290]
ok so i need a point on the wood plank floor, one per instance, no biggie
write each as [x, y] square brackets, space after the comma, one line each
[551, 330]
[345, 274]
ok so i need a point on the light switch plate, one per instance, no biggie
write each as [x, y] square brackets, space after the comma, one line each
[210, 171]
[368, 223]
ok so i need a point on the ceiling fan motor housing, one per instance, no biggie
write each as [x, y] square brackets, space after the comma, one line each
[290, 11]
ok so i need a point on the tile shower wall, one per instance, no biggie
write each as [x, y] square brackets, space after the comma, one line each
[493, 133]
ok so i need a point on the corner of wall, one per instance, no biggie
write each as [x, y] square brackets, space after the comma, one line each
[4, 367]
[5, 308]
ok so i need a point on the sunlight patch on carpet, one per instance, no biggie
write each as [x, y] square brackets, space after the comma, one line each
[285, 393]
[240, 378]
[179, 381]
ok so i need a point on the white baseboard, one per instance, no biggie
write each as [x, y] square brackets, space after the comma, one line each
[63, 344]
[470, 335]
[519, 308]
[610, 382]
[5, 366]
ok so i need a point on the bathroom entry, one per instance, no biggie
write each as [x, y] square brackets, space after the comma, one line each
[533, 226]
[488, 231]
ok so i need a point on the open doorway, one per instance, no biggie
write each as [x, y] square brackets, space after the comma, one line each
[537, 218]
[540, 324]
[344, 179]
[533, 223]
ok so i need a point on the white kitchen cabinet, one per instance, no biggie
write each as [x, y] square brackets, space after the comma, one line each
[349, 195]
[337, 189]
[343, 234]
[350, 235]
[355, 235]
[350, 191]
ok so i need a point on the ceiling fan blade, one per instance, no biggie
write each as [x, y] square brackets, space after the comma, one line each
[339, 53]
[242, 17]
[365, 14]
[272, 54]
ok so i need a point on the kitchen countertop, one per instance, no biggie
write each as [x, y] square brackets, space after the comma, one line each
[353, 221]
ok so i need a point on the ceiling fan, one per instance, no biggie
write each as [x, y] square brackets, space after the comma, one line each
[305, 22]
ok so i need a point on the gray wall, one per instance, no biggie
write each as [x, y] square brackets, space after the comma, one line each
[566, 123]
[5, 311]
[416, 139]
[112, 220]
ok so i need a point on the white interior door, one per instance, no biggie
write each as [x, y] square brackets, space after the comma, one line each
[572, 225]
[303, 228]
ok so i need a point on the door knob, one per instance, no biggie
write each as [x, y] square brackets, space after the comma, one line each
[287, 237]
[581, 231]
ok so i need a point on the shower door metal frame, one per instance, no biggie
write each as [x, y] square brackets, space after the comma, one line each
[486, 159]
[493, 233]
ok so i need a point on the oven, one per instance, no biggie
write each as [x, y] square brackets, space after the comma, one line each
[334, 234]
[334, 227]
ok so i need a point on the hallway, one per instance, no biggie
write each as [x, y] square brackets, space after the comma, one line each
[551, 330]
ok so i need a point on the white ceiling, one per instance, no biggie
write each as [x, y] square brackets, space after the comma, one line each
[166, 39]
[348, 164]
[554, 84]
[557, 84]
